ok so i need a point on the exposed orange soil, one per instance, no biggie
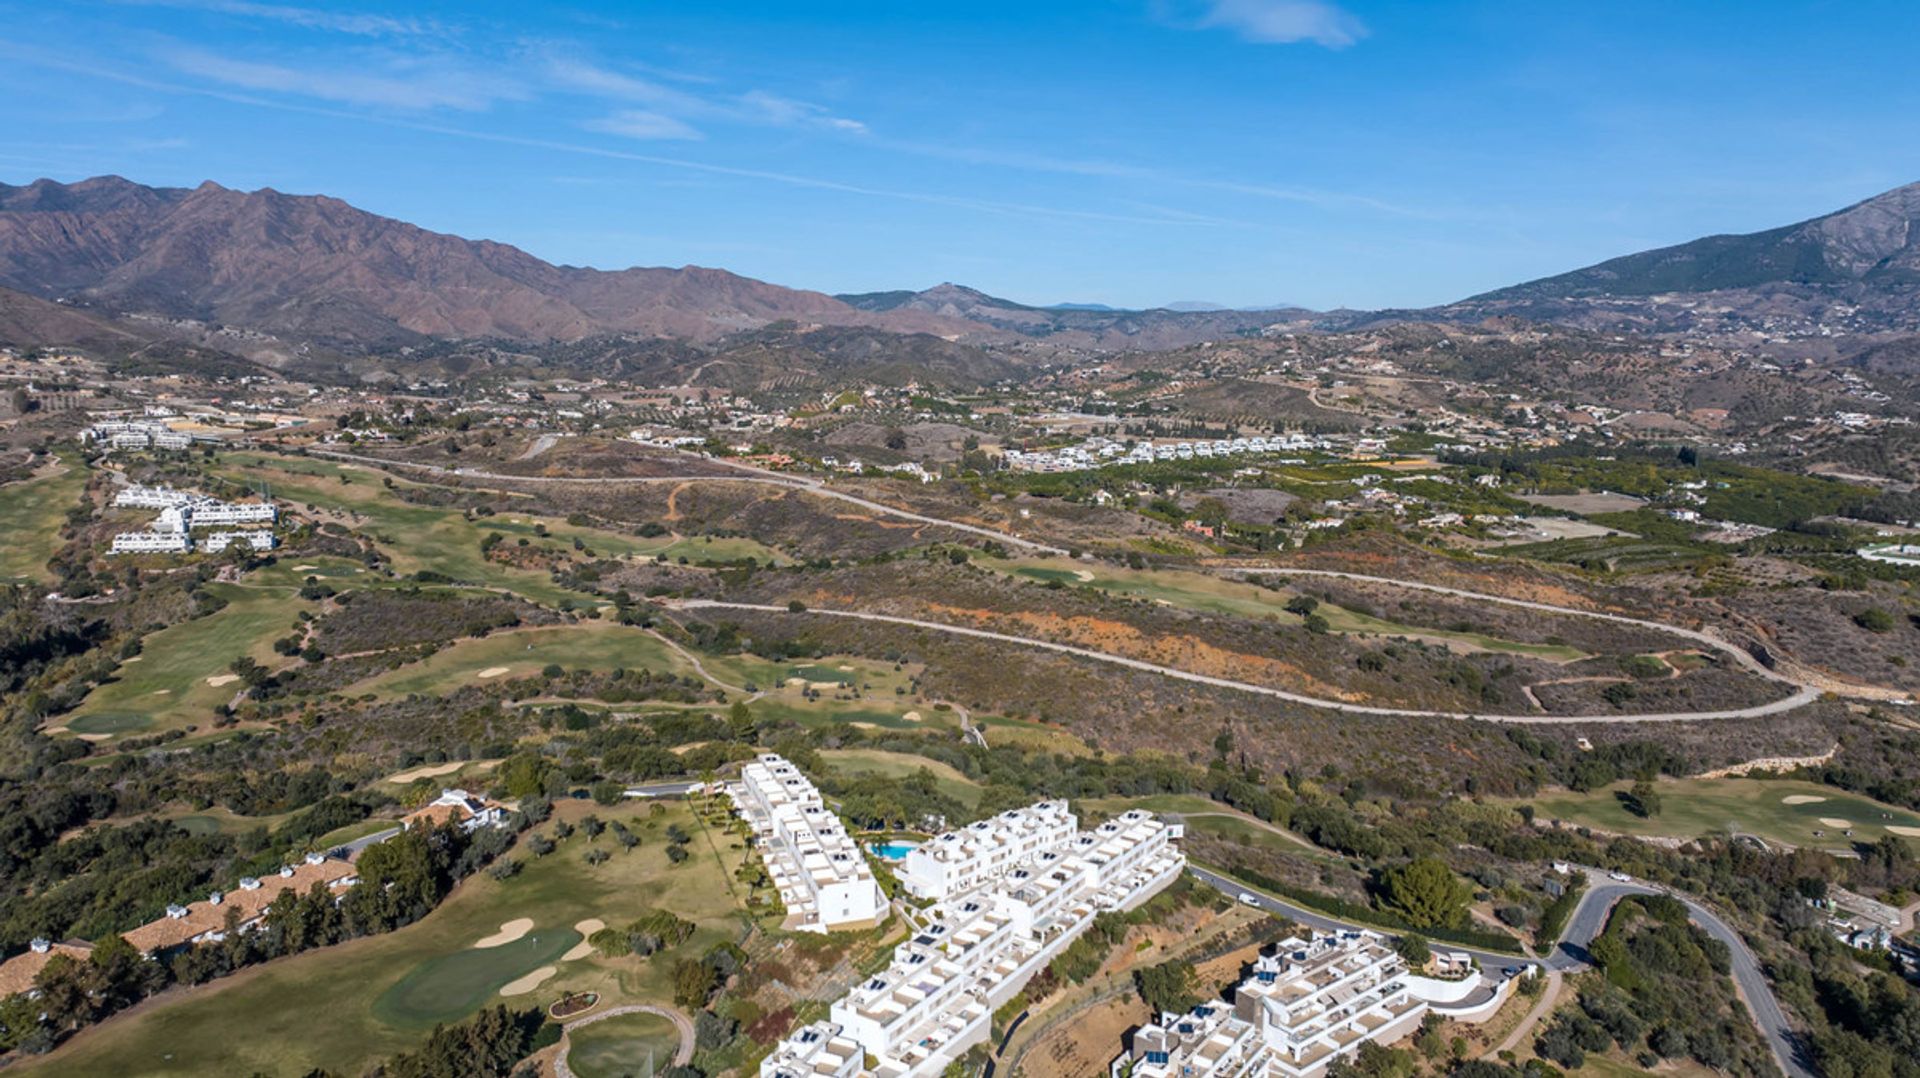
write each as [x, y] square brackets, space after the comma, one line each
[1119, 638]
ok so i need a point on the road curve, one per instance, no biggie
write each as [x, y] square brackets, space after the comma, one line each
[748, 474]
[1570, 953]
[1739, 654]
[1800, 698]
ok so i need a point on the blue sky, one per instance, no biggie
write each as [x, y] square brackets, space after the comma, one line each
[1128, 151]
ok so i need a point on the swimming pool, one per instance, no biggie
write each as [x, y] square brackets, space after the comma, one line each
[893, 851]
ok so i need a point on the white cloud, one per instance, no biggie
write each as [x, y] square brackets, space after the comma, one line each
[755, 107]
[344, 22]
[641, 124]
[785, 112]
[1284, 22]
[404, 83]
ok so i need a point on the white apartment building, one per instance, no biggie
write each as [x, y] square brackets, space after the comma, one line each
[219, 541]
[168, 542]
[210, 513]
[822, 876]
[1310, 1002]
[979, 947]
[981, 852]
[819, 1050]
[139, 497]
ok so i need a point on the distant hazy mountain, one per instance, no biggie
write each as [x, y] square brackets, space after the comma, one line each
[1858, 267]
[312, 268]
[1078, 324]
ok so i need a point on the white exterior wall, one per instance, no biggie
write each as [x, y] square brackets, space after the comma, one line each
[151, 543]
[823, 878]
[980, 947]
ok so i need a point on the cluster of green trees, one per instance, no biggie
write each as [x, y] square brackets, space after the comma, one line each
[401, 880]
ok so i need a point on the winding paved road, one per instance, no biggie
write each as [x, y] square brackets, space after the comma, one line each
[1570, 953]
[1800, 698]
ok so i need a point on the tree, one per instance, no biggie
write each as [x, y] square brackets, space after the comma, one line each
[1642, 800]
[1302, 605]
[693, 983]
[1874, 620]
[896, 439]
[1414, 949]
[1167, 987]
[1427, 893]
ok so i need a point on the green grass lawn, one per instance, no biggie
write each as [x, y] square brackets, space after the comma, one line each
[899, 765]
[451, 986]
[32, 511]
[622, 1047]
[1693, 807]
[524, 652]
[1211, 594]
[166, 686]
[345, 1007]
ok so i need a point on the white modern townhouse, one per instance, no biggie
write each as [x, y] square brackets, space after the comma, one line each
[822, 876]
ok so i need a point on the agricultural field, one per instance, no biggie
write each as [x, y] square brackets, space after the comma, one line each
[181, 672]
[1205, 593]
[34, 510]
[1781, 811]
[344, 1007]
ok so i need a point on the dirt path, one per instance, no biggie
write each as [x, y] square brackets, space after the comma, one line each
[540, 445]
[1540, 1010]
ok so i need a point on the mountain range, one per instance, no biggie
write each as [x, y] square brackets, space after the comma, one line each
[274, 276]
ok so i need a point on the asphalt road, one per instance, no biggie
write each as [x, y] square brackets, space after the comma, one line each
[1588, 919]
[1804, 696]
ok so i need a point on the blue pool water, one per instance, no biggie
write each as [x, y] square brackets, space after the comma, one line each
[893, 851]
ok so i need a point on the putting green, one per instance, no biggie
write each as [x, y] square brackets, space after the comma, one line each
[622, 1046]
[452, 986]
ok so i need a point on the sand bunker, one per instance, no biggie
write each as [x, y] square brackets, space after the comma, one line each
[1903, 830]
[304, 568]
[528, 983]
[1083, 576]
[163, 692]
[134, 659]
[582, 949]
[1835, 821]
[911, 716]
[510, 931]
[1802, 799]
[95, 737]
[429, 772]
[491, 672]
[865, 725]
[218, 680]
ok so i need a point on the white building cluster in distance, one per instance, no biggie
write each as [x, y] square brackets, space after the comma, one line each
[1106, 453]
[1010, 895]
[182, 511]
[1307, 1004]
[137, 434]
[823, 879]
